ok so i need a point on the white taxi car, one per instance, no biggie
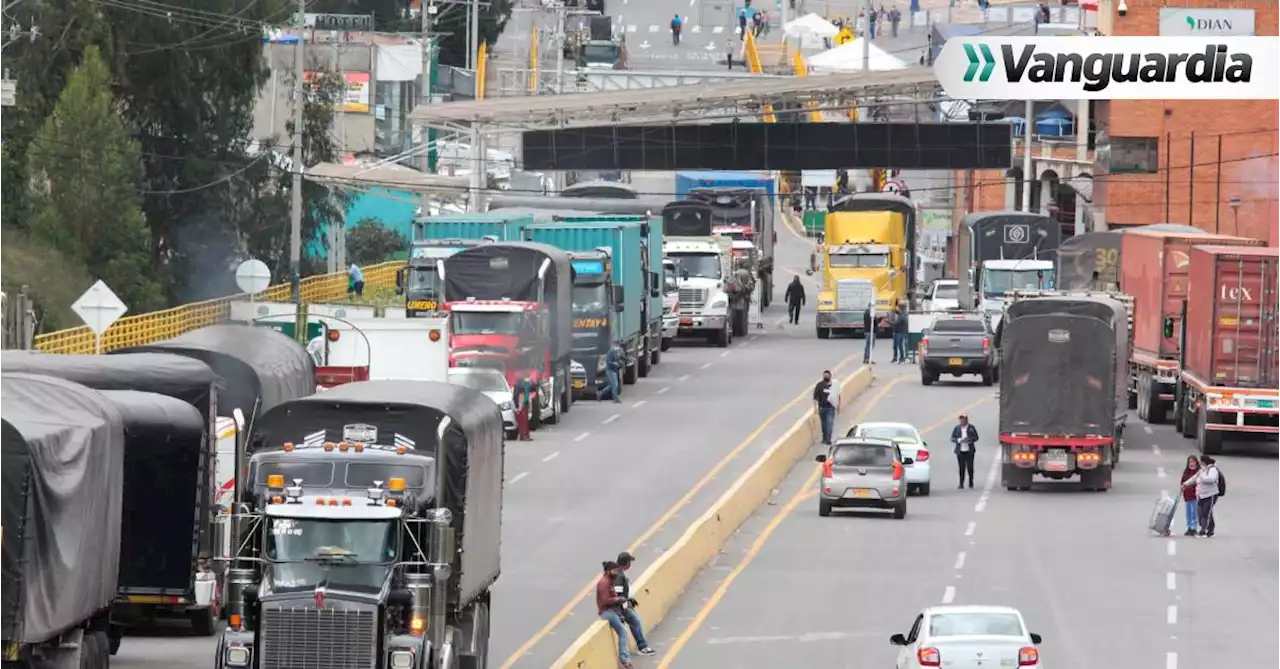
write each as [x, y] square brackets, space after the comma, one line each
[909, 441]
[968, 637]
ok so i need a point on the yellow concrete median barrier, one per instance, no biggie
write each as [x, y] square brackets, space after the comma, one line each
[662, 584]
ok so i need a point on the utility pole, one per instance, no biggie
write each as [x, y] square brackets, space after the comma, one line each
[562, 17]
[866, 40]
[473, 34]
[299, 101]
[424, 94]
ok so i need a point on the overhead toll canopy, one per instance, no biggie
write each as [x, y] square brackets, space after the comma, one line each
[259, 366]
[380, 176]
[413, 413]
[638, 206]
[176, 376]
[848, 58]
[62, 469]
[166, 456]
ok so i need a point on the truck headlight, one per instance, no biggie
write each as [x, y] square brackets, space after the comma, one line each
[718, 303]
[401, 659]
[237, 656]
[600, 365]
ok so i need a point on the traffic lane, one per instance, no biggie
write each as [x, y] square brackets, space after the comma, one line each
[165, 648]
[1080, 565]
[626, 479]
[828, 592]
[1224, 587]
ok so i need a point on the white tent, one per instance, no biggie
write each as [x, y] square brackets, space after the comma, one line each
[848, 58]
[810, 25]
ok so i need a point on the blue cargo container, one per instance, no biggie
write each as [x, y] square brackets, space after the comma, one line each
[505, 226]
[687, 181]
[625, 244]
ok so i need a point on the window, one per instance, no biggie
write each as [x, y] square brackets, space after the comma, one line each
[946, 291]
[863, 260]
[363, 475]
[975, 624]
[958, 325]
[1134, 155]
[890, 432]
[313, 474]
[863, 455]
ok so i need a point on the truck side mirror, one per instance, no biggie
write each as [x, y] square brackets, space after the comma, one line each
[655, 281]
[1168, 327]
[400, 282]
[619, 298]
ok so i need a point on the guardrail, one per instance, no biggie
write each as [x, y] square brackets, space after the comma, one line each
[156, 326]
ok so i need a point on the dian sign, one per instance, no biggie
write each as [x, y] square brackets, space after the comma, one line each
[1192, 22]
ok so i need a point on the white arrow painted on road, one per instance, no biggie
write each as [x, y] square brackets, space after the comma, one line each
[710, 47]
[718, 29]
[644, 45]
[697, 29]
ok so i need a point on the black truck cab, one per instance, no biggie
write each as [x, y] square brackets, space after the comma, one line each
[419, 281]
[596, 300]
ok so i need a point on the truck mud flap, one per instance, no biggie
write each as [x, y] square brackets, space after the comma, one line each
[1097, 479]
[1013, 477]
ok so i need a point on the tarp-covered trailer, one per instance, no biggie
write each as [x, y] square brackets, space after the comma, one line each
[638, 206]
[1082, 255]
[1063, 389]
[458, 425]
[165, 507]
[685, 218]
[62, 468]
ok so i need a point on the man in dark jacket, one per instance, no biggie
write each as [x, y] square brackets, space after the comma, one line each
[898, 321]
[795, 299]
[826, 397]
[609, 603]
[869, 327]
[964, 439]
[622, 587]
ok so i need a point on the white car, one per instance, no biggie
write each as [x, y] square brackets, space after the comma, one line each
[494, 385]
[908, 439]
[944, 295]
[968, 637]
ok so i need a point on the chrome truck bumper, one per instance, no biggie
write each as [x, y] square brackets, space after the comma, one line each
[340, 636]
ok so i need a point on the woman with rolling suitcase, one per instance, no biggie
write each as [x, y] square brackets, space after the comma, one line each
[1189, 493]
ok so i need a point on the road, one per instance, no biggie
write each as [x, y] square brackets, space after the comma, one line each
[621, 477]
[794, 589]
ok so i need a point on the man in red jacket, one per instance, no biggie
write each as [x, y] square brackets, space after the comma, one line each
[609, 602]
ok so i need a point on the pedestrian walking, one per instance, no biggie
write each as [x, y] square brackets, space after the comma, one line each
[355, 281]
[767, 24]
[676, 25]
[1189, 493]
[742, 24]
[795, 299]
[898, 327]
[609, 608]
[895, 18]
[869, 333]
[614, 361]
[522, 399]
[826, 397]
[871, 24]
[1209, 484]
[622, 587]
[964, 437]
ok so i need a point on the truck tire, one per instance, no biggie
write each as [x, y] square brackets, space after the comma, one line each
[557, 407]
[95, 650]
[630, 374]
[203, 621]
[1097, 480]
[1209, 442]
[666, 343]
[724, 337]
[1153, 408]
[566, 394]
[642, 365]
[114, 636]
[927, 379]
[988, 377]
[824, 333]
[1189, 418]
[655, 355]
[740, 323]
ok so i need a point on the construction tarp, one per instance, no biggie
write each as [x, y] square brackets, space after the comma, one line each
[510, 270]
[1082, 255]
[62, 468]
[848, 58]
[166, 497]
[1058, 374]
[472, 452]
[260, 367]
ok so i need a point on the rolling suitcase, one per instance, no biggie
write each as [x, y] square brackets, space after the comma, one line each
[1162, 515]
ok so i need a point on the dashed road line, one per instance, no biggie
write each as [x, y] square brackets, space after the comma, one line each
[638, 403]
[1147, 429]
[1171, 615]
[726, 353]
[551, 457]
[517, 477]
[949, 595]
[1160, 473]
[968, 530]
[582, 436]
[982, 502]
[662, 390]
[708, 365]
[1171, 581]
[1171, 549]
[610, 419]
[960, 561]
[1170, 660]
[1155, 449]
[683, 378]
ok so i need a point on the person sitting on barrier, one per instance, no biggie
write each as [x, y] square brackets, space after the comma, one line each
[609, 605]
[622, 586]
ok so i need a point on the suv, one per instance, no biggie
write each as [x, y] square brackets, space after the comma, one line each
[863, 473]
[957, 345]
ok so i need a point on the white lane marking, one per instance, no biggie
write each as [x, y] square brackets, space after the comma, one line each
[1155, 449]
[1171, 581]
[1147, 429]
[631, 29]
[517, 477]
[708, 365]
[582, 436]
[638, 404]
[1160, 472]
[551, 457]
[1171, 615]
[683, 378]
[949, 595]
[610, 419]
[1170, 660]
[696, 29]
[807, 637]
[968, 531]
[982, 502]
[726, 353]
[662, 390]
[653, 29]
[1171, 548]
[960, 560]
[717, 30]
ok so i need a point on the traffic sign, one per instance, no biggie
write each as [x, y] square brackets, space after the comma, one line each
[253, 276]
[8, 92]
[345, 22]
[287, 328]
[99, 307]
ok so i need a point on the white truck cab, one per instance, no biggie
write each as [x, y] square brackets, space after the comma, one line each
[703, 266]
[944, 295]
[1001, 276]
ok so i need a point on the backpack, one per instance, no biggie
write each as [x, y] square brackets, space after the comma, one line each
[1222, 483]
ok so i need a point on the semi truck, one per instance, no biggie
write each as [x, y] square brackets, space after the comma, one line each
[670, 302]
[1089, 262]
[511, 308]
[1155, 270]
[902, 204]
[1005, 250]
[713, 299]
[370, 533]
[60, 524]
[862, 260]
[1063, 381]
[419, 281]
[1227, 384]
[377, 349]
[743, 207]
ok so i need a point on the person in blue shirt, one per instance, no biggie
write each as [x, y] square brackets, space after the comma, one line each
[676, 25]
[614, 362]
[355, 281]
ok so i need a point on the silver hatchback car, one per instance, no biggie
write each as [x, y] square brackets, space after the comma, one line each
[863, 473]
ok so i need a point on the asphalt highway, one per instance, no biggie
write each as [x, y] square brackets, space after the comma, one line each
[794, 589]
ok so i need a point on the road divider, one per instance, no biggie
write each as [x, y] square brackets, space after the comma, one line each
[661, 586]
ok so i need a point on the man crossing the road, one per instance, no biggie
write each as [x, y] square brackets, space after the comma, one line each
[676, 25]
[964, 438]
[795, 300]
[826, 396]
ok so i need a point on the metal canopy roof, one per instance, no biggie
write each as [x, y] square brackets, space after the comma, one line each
[368, 175]
[558, 110]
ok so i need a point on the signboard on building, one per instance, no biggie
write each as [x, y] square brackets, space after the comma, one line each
[342, 22]
[1193, 22]
[356, 98]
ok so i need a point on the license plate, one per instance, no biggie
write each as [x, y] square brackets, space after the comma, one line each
[1054, 462]
[955, 362]
[686, 321]
[864, 492]
[1266, 404]
[579, 384]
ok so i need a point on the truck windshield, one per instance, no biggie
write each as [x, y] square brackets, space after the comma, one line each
[995, 282]
[343, 554]
[600, 53]
[697, 265]
[946, 291]
[865, 260]
[424, 282]
[669, 283]
[485, 322]
[591, 299]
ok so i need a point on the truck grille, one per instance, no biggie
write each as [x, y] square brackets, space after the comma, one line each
[302, 637]
[692, 299]
[852, 295]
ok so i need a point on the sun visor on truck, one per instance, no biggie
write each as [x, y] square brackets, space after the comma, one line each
[62, 470]
[687, 218]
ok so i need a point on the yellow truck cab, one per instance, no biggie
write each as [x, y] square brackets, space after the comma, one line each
[863, 260]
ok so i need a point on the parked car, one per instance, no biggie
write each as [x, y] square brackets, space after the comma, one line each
[968, 637]
[493, 384]
[864, 474]
[910, 444]
[957, 345]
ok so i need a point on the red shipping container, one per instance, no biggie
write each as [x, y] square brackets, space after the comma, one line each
[1231, 316]
[1153, 270]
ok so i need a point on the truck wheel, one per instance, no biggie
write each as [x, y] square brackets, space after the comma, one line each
[1189, 418]
[824, 333]
[1208, 441]
[566, 395]
[987, 377]
[203, 621]
[642, 365]
[1152, 407]
[95, 650]
[114, 636]
[655, 356]
[927, 379]
[724, 337]
[556, 403]
[740, 323]
[629, 374]
[923, 490]
[666, 343]
[476, 648]
[824, 509]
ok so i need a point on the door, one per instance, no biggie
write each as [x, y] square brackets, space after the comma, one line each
[906, 654]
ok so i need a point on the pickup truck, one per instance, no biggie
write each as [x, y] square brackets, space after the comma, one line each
[957, 345]
[944, 294]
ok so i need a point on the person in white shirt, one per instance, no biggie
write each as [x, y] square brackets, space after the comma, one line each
[1208, 483]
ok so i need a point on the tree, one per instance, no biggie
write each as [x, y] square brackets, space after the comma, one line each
[370, 242]
[84, 172]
